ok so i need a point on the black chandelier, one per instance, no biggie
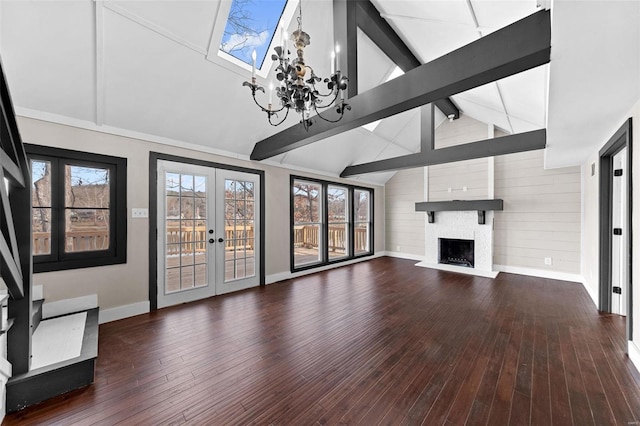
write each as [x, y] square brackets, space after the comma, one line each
[296, 92]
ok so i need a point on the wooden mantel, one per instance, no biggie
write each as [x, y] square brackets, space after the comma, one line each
[430, 207]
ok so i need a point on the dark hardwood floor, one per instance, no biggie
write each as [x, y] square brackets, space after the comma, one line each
[380, 342]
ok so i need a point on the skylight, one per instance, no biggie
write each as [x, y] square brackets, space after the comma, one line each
[250, 26]
[396, 72]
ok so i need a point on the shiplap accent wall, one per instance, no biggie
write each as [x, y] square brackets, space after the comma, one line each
[541, 216]
[448, 181]
[404, 227]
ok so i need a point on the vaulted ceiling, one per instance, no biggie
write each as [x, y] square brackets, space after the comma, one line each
[151, 70]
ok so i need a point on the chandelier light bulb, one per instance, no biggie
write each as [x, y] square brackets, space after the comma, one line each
[253, 65]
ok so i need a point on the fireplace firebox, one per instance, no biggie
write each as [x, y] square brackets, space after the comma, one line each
[456, 252]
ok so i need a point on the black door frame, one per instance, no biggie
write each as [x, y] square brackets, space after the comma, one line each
[153, 215]
[620, 140]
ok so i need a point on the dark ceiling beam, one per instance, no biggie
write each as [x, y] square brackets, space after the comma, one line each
[345, 33]
[510, 144]
[518, 47]
[427, 128]
[377, 28]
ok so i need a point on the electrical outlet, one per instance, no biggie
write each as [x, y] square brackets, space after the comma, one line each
[397, 248]
[464, 189]
[449, 189]
[547, 261]
[138, 213]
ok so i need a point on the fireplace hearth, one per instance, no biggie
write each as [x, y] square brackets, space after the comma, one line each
[456, 252]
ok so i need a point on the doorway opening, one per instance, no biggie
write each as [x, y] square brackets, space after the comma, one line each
[615, 293]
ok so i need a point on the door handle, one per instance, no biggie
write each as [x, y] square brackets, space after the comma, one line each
[220, 240]
[211, 241]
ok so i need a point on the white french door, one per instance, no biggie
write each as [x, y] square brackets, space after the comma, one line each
[208, 232]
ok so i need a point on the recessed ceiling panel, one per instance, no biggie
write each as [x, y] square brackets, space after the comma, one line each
[524, 95]
[48, 56]
[520, 126]
[191, 21]
[430, 40]
[392, 151]
[403, 130]
[495, 14]
[486, 96]
[484, 114]
[332, 155]
[373, 64]
[428, 11]
[156, 86]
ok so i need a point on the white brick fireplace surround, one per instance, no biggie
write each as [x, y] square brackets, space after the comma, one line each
[461, 225]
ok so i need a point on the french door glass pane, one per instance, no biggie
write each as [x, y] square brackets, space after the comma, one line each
[239, 223]
[186, 232]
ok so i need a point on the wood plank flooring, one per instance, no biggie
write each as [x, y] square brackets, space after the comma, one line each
[379, 342]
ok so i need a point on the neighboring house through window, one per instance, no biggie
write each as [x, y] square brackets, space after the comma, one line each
[79, 209]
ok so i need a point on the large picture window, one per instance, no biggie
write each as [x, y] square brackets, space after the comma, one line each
[330, 222]
[78, 210]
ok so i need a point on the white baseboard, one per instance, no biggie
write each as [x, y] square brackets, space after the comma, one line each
[125, 311]
[592, 293]
[69, 306]
[541, 273]
[281, 276]
[459, 269]
[634, 354]
[407, 256]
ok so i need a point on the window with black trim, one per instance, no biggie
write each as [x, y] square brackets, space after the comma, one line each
[79, 209]
[330, 222]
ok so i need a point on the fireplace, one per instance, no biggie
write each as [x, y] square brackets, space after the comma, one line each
[456, 252]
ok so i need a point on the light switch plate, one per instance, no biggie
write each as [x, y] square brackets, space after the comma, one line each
[138, 213]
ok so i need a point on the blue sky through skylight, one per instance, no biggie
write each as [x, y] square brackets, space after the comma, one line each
[251, 25]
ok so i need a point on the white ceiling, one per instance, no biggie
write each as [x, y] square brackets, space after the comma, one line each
[150, 69]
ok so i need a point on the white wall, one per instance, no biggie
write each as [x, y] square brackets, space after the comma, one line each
[635, 242]
[404, 227]
[127, 285]
[590, 252]
[590, 245]
[461, 180]
[541, 216]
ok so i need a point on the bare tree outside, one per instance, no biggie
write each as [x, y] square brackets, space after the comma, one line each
[86, 192]
[306, 202]
[242, 32]
[250, 26]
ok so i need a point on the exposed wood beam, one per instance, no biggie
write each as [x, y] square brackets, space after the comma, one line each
[520, 142]
[427, 128]
[345, 34]
[369, 20]
[100, 80]
[518, 47]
